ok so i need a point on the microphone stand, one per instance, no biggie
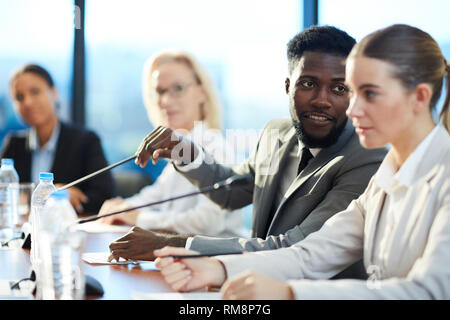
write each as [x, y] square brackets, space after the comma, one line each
[96, 173]
[230, 182]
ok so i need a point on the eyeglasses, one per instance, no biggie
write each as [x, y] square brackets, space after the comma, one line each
[174, 91]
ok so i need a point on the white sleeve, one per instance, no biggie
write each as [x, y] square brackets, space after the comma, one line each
[149, 193]
[324, 252]
[204, 218]
[321, 255]
[429, 278]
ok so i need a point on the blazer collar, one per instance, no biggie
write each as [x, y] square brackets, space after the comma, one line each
[431, 164]
[271, 181]
[33, 142]
[434, 153]
[372, 221]
[421, 164]
[288, 136]
[322, 158]
[62, 150]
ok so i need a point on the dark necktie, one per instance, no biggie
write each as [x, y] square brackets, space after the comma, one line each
[306, 156]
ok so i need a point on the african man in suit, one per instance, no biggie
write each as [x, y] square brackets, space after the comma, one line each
[291, 198]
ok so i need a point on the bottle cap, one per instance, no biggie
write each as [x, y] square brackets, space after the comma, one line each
[46, 176]
[7, 162]
[60, 194]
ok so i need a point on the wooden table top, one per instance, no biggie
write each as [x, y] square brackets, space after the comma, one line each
[118, 281]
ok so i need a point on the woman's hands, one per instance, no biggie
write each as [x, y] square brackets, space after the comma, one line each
[196, 273]
[251, 285]
[189, 274]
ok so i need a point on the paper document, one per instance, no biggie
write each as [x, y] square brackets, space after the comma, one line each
[177, 296]
[101, 258]
[99, 227]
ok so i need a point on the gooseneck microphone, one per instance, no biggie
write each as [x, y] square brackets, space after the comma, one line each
[89, 176]
[233, 181]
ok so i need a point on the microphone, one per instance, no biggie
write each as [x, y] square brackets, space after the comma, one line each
[112, 166]
[233, 181]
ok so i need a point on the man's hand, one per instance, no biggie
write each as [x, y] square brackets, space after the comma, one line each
[166, 143]
[139, 244]
[76, 197]
[251, 285]
[117, 204]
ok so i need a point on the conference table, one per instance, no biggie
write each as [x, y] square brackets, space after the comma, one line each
[134, 281]
[119, 282]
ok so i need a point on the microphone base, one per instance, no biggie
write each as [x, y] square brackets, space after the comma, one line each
[27, 242]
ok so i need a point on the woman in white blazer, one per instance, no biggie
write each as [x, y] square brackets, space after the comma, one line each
[400, 225]
[179, 94]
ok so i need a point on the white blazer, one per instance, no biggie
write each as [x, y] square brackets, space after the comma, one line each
[418, 257]
[191, 215]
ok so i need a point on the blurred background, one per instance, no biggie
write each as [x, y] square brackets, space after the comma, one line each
[95, 50]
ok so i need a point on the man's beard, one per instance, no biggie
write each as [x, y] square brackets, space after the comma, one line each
[313, 142]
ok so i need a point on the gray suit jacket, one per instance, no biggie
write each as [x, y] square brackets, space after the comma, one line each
[327, 185]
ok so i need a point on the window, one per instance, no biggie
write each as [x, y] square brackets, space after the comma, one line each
[241, 43]
[359, 18]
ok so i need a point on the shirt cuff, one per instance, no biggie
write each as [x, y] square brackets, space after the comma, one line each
[188, 243]
[193, 165]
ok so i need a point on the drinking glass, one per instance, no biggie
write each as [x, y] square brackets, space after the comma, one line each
[24, 208]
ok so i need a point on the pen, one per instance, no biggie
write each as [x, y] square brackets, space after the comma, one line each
[204, 255]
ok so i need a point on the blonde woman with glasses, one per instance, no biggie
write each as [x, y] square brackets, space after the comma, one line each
[179, 94]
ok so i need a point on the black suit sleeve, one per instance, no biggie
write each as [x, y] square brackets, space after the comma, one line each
[14, 147]
[5, 151]
[101, 187]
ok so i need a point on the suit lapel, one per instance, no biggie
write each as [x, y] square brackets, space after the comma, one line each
[423, 184]
[271, 181]
[325, 155]
[372, 220]
[26, 168]
[60, 155]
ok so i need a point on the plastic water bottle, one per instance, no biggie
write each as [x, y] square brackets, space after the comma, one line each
[9, 199]
[40, 195]
[61, 276]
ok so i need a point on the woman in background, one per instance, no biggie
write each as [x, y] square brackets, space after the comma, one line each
[400, 225]
[178, 94]
[51, 145]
